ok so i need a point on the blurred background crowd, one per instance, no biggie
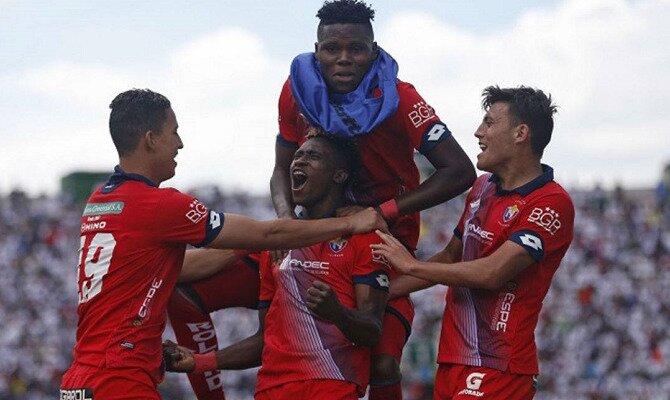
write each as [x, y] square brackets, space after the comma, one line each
[604, 331]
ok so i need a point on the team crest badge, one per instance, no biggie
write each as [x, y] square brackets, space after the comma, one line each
[510, 212]
[338, 244]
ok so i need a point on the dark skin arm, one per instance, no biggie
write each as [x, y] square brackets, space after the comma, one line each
[280, 183]
[407, 284]
[454, 174]
[241, 355]
[363, 325]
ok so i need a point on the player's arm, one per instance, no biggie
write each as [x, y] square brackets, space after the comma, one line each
[203, 263]
[280, 182]
[240, 232]
[363, 325]
[241, 355]
[454, 174]
[406, 284]
[489, 272]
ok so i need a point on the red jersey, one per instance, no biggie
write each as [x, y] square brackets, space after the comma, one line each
[387, 152]
[496, 328]
[298, 345]
[133, 239]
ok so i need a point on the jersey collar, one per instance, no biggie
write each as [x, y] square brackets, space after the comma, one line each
[524, 190]
[120, 176]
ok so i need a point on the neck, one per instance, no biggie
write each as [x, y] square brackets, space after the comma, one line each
[323, 208]
[131, 165]
[514, 177]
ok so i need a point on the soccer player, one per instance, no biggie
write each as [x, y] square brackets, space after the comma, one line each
[210, 280]
[320, 308]
[514, 231]
[133, 239]
[349, 87]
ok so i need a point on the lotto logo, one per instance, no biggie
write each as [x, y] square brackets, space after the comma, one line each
[383, 281]
[421, 114]
[436, 132]
[545, 218]
[531, 241]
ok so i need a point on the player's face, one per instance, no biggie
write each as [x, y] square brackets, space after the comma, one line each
[345, 52]
[168, 144]
[496, 138]
[312, 172]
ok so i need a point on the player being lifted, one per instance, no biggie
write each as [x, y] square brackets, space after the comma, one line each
[514, 231]
[320, 308]
[133, 239]
[349, 88]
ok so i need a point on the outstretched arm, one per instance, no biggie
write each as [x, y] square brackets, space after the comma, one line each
[406, 284]
[363, 325]
[203, 263]
[489, 272]
[240, 232]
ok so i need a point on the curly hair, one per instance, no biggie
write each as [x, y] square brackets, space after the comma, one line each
[345, 12]
[346, 149]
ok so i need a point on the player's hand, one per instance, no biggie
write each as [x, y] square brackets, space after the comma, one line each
[349, 210]
[394, 252]
[177, 358]
[367, 220]
[323, 302]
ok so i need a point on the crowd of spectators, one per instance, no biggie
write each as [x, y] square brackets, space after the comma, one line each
[604, 332]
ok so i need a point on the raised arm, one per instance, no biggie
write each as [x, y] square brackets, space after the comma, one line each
[363, 325]
[280, 183]
[454, 174]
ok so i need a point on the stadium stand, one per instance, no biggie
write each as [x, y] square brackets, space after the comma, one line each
[604, 332]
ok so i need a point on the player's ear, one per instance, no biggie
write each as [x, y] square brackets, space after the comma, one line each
[340, 176]
[522, 133]
[149, 139]
[316, 47]
[375, 50]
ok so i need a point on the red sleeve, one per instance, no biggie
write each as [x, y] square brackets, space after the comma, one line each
[369, 269]
[422, 125]
[288, 114]
[184, 219]
[545, 225]
[268, 287]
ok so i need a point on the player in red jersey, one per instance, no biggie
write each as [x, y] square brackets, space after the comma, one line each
[320, 308]
[133, 239]
[210, 280]
[514, 231]
[349, 87]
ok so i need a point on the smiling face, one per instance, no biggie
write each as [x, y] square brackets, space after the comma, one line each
[167, 146]
[315, 173]
[496, 138]
[345, 52]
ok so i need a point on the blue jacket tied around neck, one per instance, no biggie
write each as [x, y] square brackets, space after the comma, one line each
[349, 114]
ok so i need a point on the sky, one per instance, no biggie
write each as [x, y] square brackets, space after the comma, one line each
[222, 64]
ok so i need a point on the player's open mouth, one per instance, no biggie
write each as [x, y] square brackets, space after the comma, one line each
[344, 76]
[298, 180]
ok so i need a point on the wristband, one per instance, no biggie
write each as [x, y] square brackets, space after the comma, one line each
[205, 362]
[389, 209]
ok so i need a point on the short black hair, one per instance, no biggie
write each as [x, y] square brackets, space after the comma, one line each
[527, 106]
[135, 112]
[345, 12]
[346, 149]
